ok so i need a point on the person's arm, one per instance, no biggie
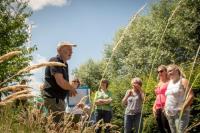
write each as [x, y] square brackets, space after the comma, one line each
[189, 95]
[154, 109]
[124, 100]
[64, 84]
[106, 101]
[142, 94]
[97, 101]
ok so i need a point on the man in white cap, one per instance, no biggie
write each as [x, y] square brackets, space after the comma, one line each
[56, 86]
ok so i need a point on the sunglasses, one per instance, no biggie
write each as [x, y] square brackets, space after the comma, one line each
[161, 71]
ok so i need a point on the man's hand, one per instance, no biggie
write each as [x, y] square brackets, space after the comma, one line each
[74, 85]
[72, 93]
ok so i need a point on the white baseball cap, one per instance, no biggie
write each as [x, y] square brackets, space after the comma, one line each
[62, 44]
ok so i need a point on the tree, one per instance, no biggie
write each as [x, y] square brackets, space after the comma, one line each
[90, 73]
[14, 36]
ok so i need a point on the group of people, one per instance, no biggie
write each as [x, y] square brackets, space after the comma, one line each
[173, 99]
[171, 108]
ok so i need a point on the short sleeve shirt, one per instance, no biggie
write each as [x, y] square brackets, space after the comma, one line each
[103, 95]
[51, 88]
[134, 104]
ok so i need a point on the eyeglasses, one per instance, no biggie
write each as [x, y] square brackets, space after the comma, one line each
[161, 71]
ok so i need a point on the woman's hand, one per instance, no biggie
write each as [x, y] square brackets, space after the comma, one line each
[154, 112]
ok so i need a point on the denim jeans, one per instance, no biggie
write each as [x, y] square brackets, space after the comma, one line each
[106, 116]
[176, 125]
[133, 122]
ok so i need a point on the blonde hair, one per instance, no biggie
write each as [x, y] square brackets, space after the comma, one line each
[162, 67]
[177, 68]
[138, 80]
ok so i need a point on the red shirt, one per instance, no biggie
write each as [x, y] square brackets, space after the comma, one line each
[160, 96]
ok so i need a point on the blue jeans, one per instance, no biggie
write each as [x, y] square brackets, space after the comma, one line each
[178, 125]
[133, 122]
[106, 116]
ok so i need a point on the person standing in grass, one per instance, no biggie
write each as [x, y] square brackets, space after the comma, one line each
[133, 100]
[179, 96]
[103, 109]
[159, 104]
[56, 86]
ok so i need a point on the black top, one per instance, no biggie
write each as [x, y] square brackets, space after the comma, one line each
[51, 88]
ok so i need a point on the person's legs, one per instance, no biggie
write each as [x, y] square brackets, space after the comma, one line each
[128, 123]
[165, 122]
[56, 106]
[183, 122]
[159, 120]
[107, 116]
[172, 124]
[98, 117]
[138, 123]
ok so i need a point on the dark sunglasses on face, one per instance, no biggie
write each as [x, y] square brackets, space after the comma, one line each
[161, 71]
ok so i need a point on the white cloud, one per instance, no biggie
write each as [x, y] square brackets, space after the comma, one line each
[37, 59]
[40, 4]
[38, 74]
[35, 84]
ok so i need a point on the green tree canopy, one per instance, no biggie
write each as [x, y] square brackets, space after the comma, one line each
[14, 36]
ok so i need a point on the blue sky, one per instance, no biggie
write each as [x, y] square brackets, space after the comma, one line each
[88, 23]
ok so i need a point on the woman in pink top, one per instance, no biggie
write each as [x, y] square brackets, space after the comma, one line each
[159, 103]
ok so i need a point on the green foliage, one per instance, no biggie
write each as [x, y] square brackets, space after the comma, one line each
[150, 125]
[90, 73]
[14, 36]
[118, 88]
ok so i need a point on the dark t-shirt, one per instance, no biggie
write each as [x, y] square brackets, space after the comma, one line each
[51, 88]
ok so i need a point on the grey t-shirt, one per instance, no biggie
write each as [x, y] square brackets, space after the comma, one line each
[134, 103]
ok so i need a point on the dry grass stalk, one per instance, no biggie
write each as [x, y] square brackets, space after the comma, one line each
[16, 94]
[11, 98]
[14, 88]
[29, 68]
[22, 97]
[125, 31]
[192, 126]
[9, 55]
[5, 103]
[83, 99]
[98, 124]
